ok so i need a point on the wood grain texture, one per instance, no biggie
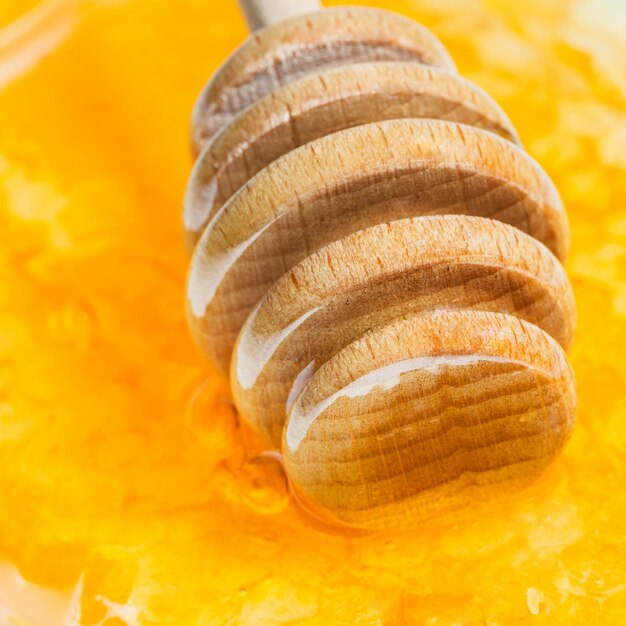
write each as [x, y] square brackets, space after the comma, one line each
[322, 103]
[428, 415]
[369, 278]
[283, 52]
[348, 181]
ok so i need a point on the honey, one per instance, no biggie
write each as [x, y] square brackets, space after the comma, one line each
[126, 475]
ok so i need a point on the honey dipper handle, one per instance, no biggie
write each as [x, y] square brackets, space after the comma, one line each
[260, 13]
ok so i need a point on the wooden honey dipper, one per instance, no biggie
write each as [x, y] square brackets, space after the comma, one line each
[377, 261]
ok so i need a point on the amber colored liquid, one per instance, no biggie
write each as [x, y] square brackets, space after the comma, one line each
[124, 473]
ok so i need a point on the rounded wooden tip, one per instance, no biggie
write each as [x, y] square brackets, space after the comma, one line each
[378, 262]
[428, 415]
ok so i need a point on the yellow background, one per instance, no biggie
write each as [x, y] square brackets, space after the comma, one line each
[123, 474]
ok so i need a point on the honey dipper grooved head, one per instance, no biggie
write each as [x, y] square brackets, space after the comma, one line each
[378, 263]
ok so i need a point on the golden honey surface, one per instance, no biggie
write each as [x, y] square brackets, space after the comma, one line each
[124, 474]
